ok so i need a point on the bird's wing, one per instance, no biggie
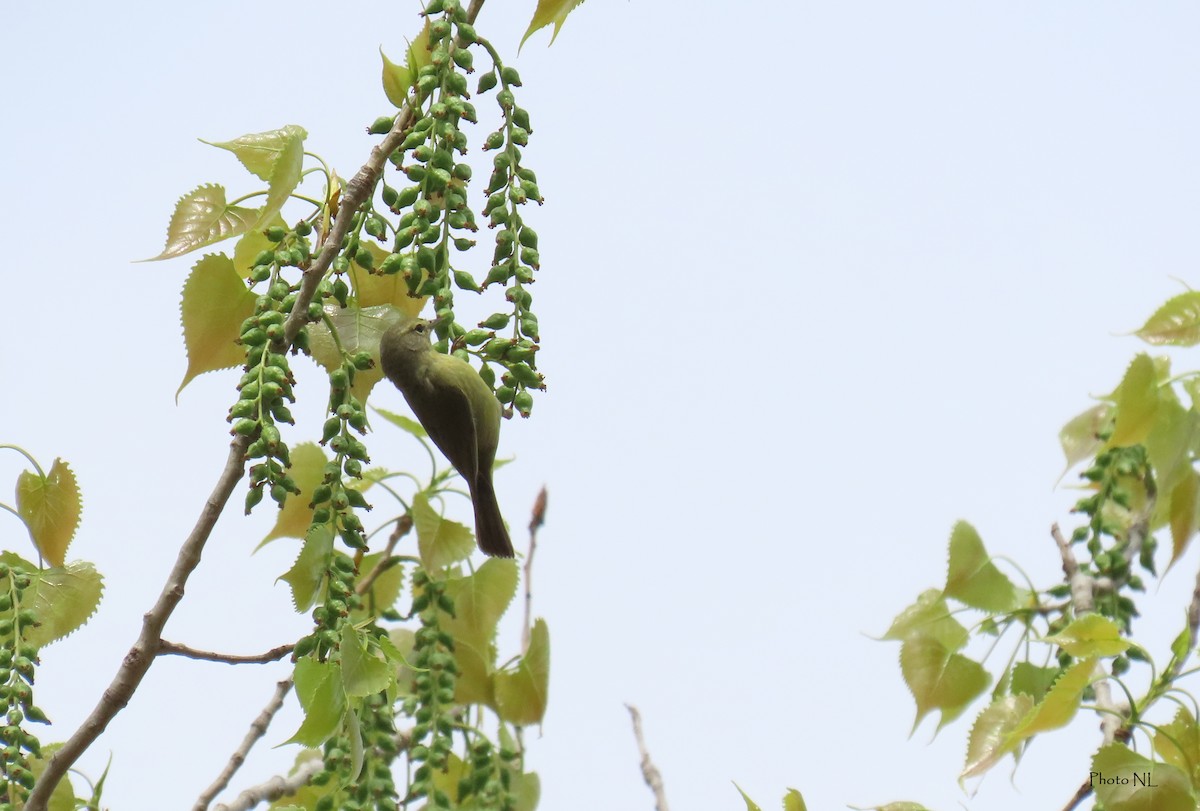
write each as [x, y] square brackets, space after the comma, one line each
[450, 423]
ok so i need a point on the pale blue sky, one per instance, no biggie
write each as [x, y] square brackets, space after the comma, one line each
[819, 279]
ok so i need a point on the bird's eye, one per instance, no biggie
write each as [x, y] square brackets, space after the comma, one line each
[419, 329]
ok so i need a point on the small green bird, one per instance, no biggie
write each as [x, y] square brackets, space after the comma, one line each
[458, 411]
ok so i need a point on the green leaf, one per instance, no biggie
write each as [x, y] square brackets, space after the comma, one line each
[479, 601]
[990, 737]
[1033, 681]
[214, 304]
[1137, 402]
[1125, 781]
[319, 689]
[1178, 743]
[397, 81]
[384, 591]
[521, 693]
[261, 152]
[1090, 635]
[402, 422]
[363, 673]
[440, 541]
[750, 804]
[306, 575]
[252, 244]
[285, 175]
[930, 617]
[527, 787]
[50, 506]
[63, 796]
[547, 12]
[1184, 514]
[64, 599]
[374, 289]
[201, 218]
[1176, 323]
[972, 578]
[939, 679]
[308, 470]
[1080, 437]
[1060, 704]
[359, 330]
[792, 801]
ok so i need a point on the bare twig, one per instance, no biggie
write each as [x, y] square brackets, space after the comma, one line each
[537, 518]
[257, 729]
[404, 525]
[649, 771]
[278, 786]
[166, 648]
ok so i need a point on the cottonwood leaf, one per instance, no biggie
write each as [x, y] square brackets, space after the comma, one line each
[64, 599]
[1178, 743]
[363, 673]
[400, 80]
[939, 679]
[440, 541]
[1175, 323]
[1080, 437]
[521, 693]
[214, 304]
[990, 738]
[319, 689]
[1059, 705]
[972, 577]
[547, 12]
[481, 598]
[1090, 635]
[1137, 403]
[929, 616]
[1033, 681]
[793, 801]
[295, 516]
[374, 289]
[402, 422]
[359, 330]
[201, 218]
[1184, 513]
[251, 244]
[1126, 781]
[307, 572]
[50, 506]
[385, 589]
[750, 804]
[261, 152]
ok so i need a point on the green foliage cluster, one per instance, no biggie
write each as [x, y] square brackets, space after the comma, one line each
[1071, 645]
[405, 696]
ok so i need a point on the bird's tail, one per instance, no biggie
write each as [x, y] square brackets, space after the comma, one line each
[490, 531]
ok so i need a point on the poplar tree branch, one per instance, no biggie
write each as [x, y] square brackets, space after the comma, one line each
[650, 772]
[257, 729]
[166, 648]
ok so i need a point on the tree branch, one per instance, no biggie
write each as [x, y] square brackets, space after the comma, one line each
[650, 772]
[166, 648]
[536, 520]
[278, 786]
[257, 729]
[139, 658]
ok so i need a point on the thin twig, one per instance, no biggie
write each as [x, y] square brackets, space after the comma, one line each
[649, 771]
[537, 518]
[257, 729]
[278, 786]
[166, 648]
[404, 525]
